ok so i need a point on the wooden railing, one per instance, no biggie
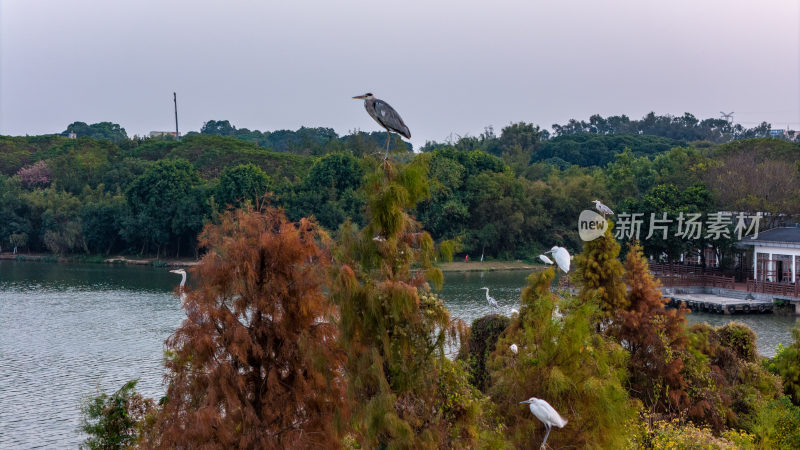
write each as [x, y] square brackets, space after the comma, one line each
[664, 268]
[695, 279]
[772, 287]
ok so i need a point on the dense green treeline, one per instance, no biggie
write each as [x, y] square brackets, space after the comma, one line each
[500, 196]
[306, 141]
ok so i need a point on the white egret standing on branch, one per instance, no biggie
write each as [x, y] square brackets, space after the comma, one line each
[489, 299]
[182, 273]
[514, 349]
[547, 414]
[561, 255]
[603, 208]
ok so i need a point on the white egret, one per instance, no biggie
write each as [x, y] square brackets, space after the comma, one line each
[489, 299]
[182, 273]
[546, 260]
[562, 257]
[547, 414]
[603, 208]
[514, 349]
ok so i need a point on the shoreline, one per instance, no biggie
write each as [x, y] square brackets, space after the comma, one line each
[111, 260]
[487, 266]
[472, 266]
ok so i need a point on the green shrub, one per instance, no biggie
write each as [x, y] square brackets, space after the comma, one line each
[481, 342]
[564, 360]
[115, 421]
[651, 433]
[739, 338]
[778, 425]
[786, 364]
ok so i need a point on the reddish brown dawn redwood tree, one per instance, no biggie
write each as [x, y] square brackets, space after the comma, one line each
[655, 338]
[256, 363]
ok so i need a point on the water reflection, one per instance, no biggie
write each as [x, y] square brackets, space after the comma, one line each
[67, 331]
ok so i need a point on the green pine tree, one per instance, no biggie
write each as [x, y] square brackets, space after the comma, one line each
[600, 274]
[565, 361]
[403, 391]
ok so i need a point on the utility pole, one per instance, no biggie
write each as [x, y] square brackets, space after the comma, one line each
[727, 116]
[175, 99]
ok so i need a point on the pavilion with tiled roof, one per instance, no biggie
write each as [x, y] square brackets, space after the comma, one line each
[776, 254]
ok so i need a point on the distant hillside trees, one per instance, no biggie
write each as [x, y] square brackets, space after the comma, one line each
[685, 128]
[757, 175]
[35, 175]
[103, 130]
[332, 192]
[508, 195]
[240, 184]
[305, 141]
[167, 205]
[598, 150]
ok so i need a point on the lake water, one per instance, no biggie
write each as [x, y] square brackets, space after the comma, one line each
[70, 330]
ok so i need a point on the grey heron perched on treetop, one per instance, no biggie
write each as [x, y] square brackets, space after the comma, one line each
[603, 208]
[547, 414]
[386, 116]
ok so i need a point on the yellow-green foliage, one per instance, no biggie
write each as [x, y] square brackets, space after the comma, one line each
[740, 339]
[778, 425]
[727, 387]
[600, 272]
[563, 360]
[403, 391]
[663, 435]
[786, 363]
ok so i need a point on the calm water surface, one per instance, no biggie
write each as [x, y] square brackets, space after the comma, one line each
[67, 331]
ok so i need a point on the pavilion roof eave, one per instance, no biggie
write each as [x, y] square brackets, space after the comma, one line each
[758, 243]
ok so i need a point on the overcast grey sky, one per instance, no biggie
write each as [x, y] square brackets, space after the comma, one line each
[446, 66]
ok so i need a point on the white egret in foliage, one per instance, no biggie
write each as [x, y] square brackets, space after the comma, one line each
[386, 116]
[546, 260]
[489, 299]
[603, 208]
[514, 349]
[547, 414]
[182, 273]
[562, 257]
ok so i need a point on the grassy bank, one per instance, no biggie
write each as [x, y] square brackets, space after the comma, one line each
[456, 266]
[98, 259]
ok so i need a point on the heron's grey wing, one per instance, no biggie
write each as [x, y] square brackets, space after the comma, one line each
[389, 118]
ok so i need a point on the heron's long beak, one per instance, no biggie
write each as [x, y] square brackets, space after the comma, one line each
[360, 97]
[526, 401]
